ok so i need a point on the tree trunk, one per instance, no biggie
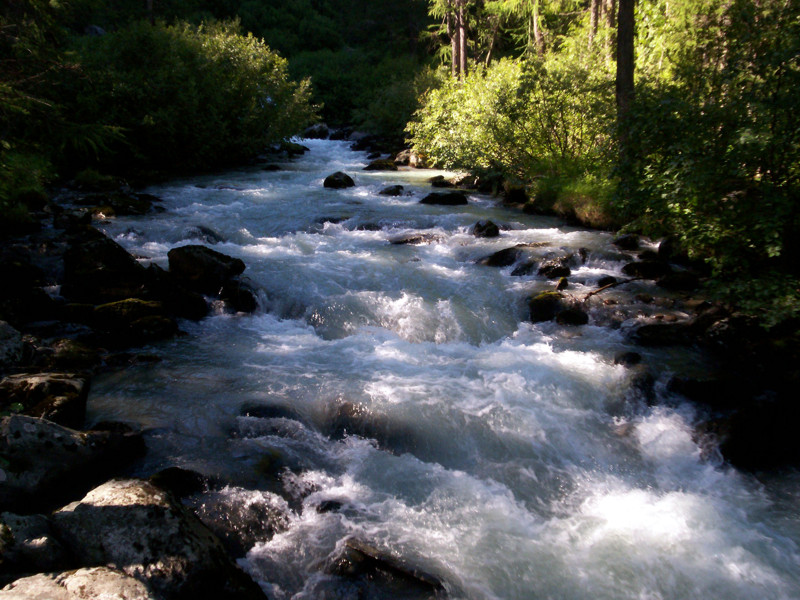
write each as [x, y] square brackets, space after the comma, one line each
[624, 81]
[594, 17]
[452, 33]
[535, 32]
[462, 41]
[150, 12]
[611, 21]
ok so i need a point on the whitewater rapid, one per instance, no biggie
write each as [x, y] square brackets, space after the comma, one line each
[517, 460]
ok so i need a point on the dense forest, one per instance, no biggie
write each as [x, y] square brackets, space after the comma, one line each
[674, 118]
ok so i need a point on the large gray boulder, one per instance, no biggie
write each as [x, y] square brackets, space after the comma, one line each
[11, 346]
[150, 536]
[203, 269]
[46, 464]
[27, 545]
[98, 583]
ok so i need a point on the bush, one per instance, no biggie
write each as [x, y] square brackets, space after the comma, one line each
[189, 98]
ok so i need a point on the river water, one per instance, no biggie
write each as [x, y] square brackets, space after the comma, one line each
[509, 460]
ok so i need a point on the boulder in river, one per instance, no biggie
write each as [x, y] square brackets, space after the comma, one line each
[381, 164]
[414, 239]
[392, 190]
[628, 241]
[572, 316]
[502, 258]
[58, 397]
[446, 198]
[338, 181]
[202, 269]
[555, 269]
[97, 270]
[92, 582]
[485, 229]
[439, 181]
[45, 463]
[318, 131]
[410, 158]
[150, 536]
[546, 305]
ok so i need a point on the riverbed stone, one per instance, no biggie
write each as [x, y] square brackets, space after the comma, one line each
[545, 306]
[445, 199]
[572, 316]
[100, 583]
[179, 301]
[58, 397]
[502, 258]
[381, 164]
[202, 269]
[338, 181]
[46, 464]
[150, 536]
[415, 239]
[628, 241]
[72, 354]
[240, 296]
[439, 181]
[555, 269]
[318, 131]
[485, 229]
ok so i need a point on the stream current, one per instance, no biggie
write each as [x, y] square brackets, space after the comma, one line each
[403, 386]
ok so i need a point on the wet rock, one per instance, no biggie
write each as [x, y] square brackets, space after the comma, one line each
[628, 359]
[409, 158]
[27, 545]
[350, 418]
[327, 506]
[629, 241]
[726, 393]
[318, 131]
[205, 234]
[71, 354]
[416, 239]
[515, 194]
[445, 199]
[572, 316]
[271, 168]
[545, 306]
[133, 322]
[555, 269]
[647, 269]
[153, 538]
[128, 203]
[648, 255]
[384, 569]
[502, 258]
[392, 190]
[684, 281]
[529, 267]
[94, 582]
[180, 482]
[606, 280]
[242, 518]
[562, 284]
[98, 270]
[485, 229]
[46, 464]
[202, 269]
[178, 301]
[292, 148]
[338, 181]
[241, 296]
[58, 397]
[665, 334]
[11, 346]
[439, 181]
[381, 164]
[373, 155]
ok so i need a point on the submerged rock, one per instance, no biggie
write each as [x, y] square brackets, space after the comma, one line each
[385, 570]
[338, 181]
[502, 258]
[572, 316]
[628, 241]
[647, 269]
[94, 582]
[46, 464]
[416, 239]
[241, 296]
[202, 269]
[445, 198]
[555, 269]
[153, 538]
[58, 397]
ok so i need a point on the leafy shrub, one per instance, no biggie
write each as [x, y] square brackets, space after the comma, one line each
[188, 97]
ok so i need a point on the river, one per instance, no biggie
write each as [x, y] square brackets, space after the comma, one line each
[510, 460]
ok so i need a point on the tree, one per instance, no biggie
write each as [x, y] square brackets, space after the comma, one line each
[624, 79]
[454, 21]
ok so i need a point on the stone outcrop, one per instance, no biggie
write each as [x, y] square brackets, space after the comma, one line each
[153, 538]
[46, 464]
[485, 229]
[101, 583]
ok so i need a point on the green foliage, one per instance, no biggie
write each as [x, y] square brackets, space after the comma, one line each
[190, 97]
[526, 120]
[22, 181]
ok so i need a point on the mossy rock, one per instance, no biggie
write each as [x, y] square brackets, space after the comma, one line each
[545, 306]
[115, 316]
[381, 164]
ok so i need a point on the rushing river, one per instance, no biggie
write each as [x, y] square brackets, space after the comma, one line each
[510, 460]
